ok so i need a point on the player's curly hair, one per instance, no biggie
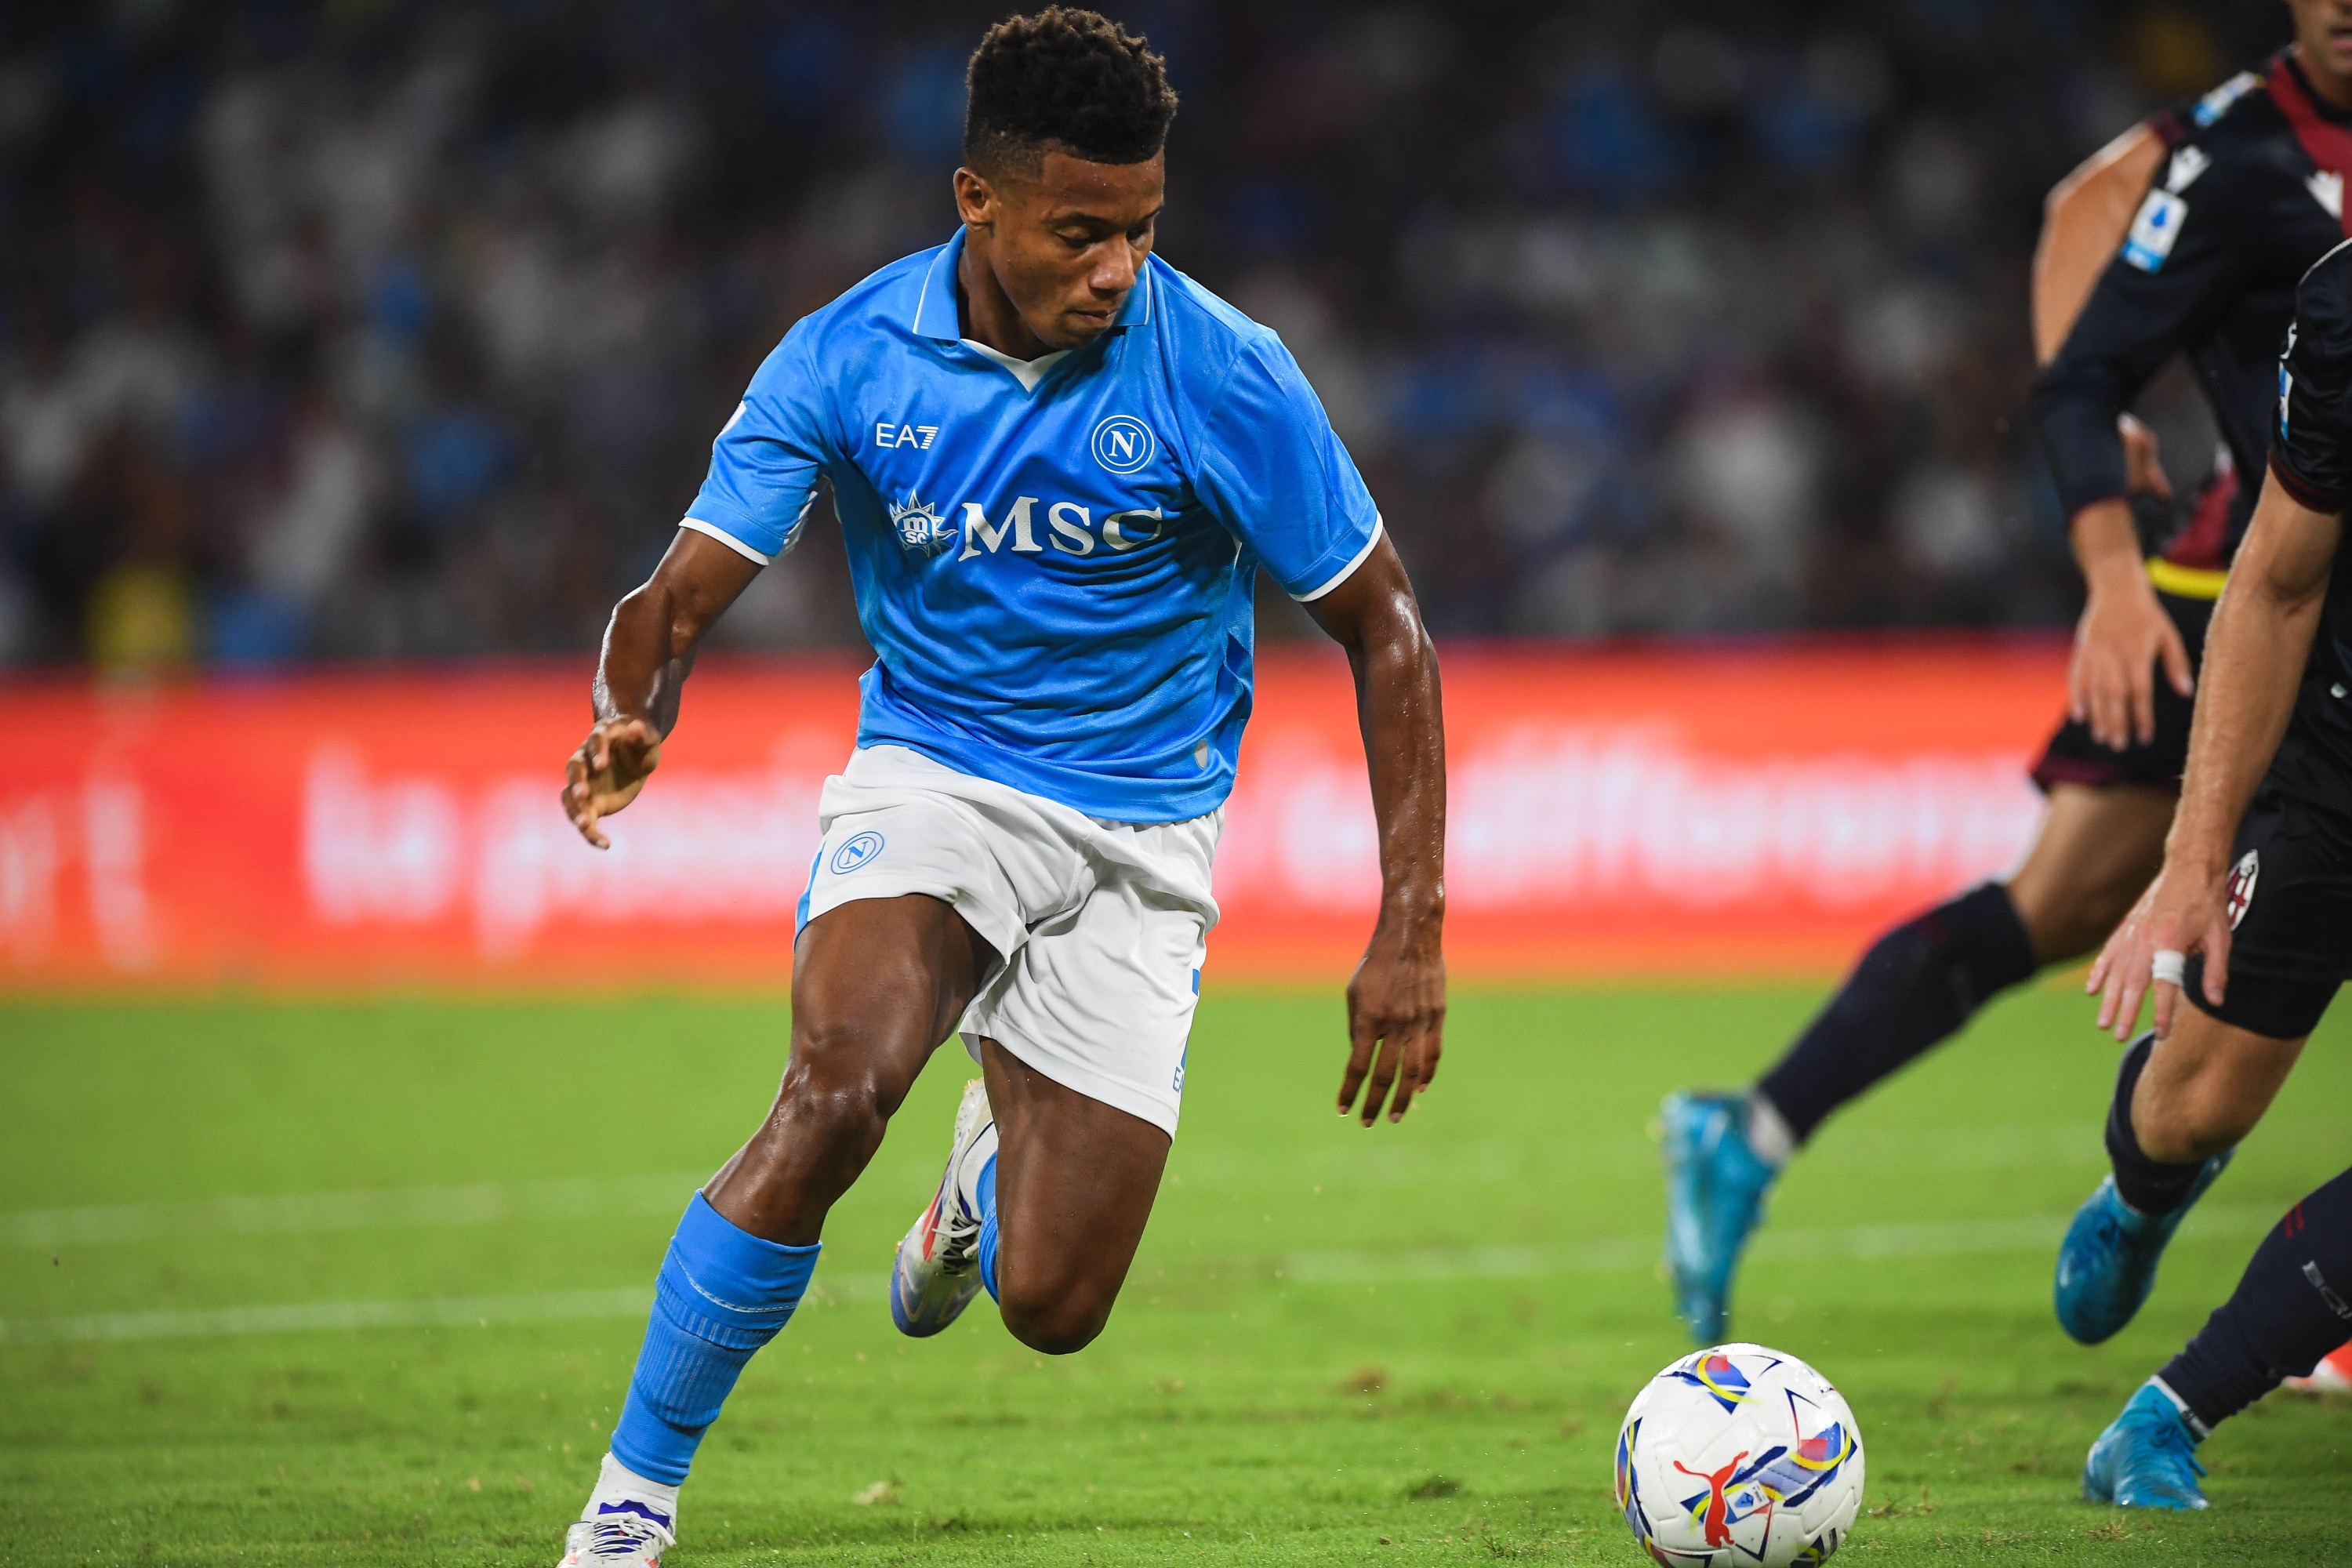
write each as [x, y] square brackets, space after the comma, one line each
[1064, 78]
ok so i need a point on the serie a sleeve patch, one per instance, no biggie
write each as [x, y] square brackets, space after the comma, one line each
[2153, 231]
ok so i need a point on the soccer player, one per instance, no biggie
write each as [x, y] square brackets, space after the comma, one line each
[1058, 464]
[2250, 919]
[2218, 208]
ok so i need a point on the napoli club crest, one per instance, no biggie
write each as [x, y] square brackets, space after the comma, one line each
[920, 529]
[2242, 885]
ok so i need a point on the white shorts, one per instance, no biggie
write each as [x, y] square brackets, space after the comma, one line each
[1102, 925]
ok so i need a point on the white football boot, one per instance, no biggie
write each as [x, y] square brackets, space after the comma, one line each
[2332, 1375]
[629, 1522]
[938, 1270]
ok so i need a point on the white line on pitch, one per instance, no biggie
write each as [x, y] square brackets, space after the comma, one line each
[1947, 1239]
[492, 1202]
[298, 1317]
[291, 1214]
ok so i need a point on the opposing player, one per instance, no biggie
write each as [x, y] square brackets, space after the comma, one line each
[1059, 464]
[2251, 921]
[2187, 233]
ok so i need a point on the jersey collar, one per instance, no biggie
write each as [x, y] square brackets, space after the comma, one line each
[935, 307]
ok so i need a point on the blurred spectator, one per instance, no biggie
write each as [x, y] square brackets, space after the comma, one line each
[378, 331]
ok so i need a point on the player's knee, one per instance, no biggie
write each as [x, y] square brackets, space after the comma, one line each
[2188, 1125]
[1053, 1323]
[834, 1087]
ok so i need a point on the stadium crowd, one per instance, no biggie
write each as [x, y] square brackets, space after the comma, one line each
[395, 328]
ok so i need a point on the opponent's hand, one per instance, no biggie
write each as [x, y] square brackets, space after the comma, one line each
[2183, 912]
[2122, 638]
[2144, 472]
[1396, 1023]
[606, 772]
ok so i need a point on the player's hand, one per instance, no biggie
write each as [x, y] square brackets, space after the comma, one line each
[606, 772]
[2183, 912]
[2123, 636]
[2144, 472]
[1396, 1022]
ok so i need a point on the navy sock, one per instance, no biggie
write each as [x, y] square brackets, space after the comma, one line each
[2151, 1186]
[721, 1294]
[2292, 1305]
[1917, 984]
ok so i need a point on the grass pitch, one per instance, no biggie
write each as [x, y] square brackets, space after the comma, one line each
[362, 1283]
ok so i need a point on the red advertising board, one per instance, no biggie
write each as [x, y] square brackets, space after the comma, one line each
[1640, 811]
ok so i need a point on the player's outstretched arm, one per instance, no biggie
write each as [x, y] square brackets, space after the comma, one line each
[2254, 655]
[2101, 328]
[2083, 226]
[648, 649]
[1396, 1000]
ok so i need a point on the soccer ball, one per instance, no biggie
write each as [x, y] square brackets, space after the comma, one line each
[1739, 1454]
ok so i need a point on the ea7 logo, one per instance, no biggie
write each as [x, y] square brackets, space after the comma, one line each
[919, 437]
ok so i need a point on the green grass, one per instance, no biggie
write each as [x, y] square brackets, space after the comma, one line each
[1338, 1345]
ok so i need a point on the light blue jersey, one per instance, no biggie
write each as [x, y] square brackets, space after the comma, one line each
[1054, 561]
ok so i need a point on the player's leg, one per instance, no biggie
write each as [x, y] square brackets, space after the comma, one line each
[1921, 982]
[1073, 1184]
[1083, 1039]
[1916, 986]
[1044, 1199]
[2180, 1106]
[876, 984]
[2292, 1305]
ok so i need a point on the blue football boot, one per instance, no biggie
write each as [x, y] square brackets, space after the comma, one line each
[2147, 1458]
[2106, 1265]
[1716, 1184]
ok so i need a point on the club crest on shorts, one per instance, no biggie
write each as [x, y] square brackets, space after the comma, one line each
[2242, 885]
[856, 851]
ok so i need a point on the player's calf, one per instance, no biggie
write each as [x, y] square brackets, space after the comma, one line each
[2292, 1308]
[2205, 1088]
[2108, 1262]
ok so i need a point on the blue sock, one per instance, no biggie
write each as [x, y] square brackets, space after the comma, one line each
[988, 1226]
[721, 1294]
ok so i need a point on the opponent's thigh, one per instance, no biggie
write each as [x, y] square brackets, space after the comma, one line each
[1075, 1183]
[878, 983]
[2097, 851]
[2205, 1086]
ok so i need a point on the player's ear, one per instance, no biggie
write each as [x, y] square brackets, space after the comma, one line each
[975, 198]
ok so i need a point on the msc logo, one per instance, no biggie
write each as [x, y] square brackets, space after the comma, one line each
[920, 529]
[919, 437]
[1072, 528]
[855, 852]
[1122, 443]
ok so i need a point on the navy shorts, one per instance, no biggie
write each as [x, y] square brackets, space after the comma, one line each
[2291, 910]
[2074, 757]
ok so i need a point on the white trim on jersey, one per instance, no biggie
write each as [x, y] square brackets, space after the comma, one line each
[696, 525]
[1027, 372]
[1379, 526]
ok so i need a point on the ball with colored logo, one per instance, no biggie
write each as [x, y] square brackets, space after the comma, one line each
[1739, 1454]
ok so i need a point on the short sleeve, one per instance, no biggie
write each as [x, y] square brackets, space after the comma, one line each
[2311, 450]
[1273, 472]
[2183, 262]
[766, 462]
